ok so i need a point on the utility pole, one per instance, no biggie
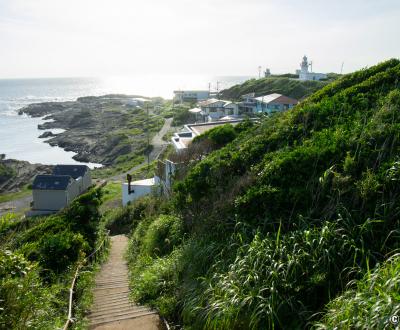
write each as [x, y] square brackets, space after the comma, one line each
[259, 72]
[218, 90]
[341, 69]
[148, 135]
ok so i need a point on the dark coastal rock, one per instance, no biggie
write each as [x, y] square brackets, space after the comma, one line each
[21, 173]
[97, 129]
[46, 135]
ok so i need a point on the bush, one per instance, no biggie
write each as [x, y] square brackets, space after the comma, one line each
[276, 276]
[163, 235]
[24, 303]
[59, 251]
[371, 304]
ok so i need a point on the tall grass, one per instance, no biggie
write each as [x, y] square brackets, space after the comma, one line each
[370, 304]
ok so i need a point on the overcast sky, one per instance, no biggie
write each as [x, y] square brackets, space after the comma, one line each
[90, 38]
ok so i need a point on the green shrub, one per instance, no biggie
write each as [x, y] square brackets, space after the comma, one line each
[276, 276]
[163, 235]
[370, 304]
[59, 251]
[24, 303]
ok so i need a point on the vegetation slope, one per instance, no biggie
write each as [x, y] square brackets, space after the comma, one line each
[38, 258]
[282, 85]
[289, 224]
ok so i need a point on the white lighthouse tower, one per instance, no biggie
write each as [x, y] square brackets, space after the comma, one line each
[304, 74]
[304, 69]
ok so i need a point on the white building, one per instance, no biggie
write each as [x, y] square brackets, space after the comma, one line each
[266, 104]
[80, 173]
[52, 193]
[304, 74]
[133, 190]
[191, 95]
[214, 109]
[183, 139]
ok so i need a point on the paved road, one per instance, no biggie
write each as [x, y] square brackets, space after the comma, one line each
[111, 307]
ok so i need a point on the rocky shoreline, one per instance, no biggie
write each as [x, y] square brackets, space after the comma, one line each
[97, 129]
[17, 173]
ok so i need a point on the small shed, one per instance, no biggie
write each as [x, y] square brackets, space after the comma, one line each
[53, 192]
[80, 173]
[133, 190]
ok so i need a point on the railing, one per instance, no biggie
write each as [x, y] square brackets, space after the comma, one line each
[101, 246]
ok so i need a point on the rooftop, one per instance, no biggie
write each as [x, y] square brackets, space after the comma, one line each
[204, 127]
[276, 98]
[145, 182]
[75, 171]
[211, 101]
[51, 182]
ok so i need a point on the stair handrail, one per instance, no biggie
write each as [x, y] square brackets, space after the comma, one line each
[78, 267]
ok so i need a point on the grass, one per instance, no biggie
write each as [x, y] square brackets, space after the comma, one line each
[24, 192]
[370, 304]
[284, 218]
[111, 191]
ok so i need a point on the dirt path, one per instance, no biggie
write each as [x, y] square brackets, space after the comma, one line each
[18, 205]
[112, 309]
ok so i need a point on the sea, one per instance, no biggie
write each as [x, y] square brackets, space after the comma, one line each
[19, 135]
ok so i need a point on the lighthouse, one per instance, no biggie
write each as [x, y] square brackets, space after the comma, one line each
[304, 74]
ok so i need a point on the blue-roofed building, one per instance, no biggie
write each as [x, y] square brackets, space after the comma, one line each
[52, 193]
[80, 173]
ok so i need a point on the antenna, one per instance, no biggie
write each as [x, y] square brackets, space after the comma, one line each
[311, 66]
[218, 89]
[341, 69]
[259, 72]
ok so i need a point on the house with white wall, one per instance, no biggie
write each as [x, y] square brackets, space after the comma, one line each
[183, 139]
[132, 190]
[191, 95]
[52, 193]
[80, 173]
[273, 103]
[214, 109]
[266, 104]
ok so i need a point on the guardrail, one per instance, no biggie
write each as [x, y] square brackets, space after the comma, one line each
[81, 264]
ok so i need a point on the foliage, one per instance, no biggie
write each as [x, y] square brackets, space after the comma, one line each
[6, 173]
[285, 215]
[38, 258]
[24, 303]
[181, 115]
[370, 304]
[282, 85]
[162, 235]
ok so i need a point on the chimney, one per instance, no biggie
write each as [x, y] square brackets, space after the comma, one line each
[129, 178]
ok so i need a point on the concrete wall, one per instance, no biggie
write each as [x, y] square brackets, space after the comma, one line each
[138, 191]
[87, 181]
[50, 199]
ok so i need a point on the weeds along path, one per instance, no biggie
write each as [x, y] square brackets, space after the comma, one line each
[159, 146]
[111, 308]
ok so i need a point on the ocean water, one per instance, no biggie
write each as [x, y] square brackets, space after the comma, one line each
[19, 134]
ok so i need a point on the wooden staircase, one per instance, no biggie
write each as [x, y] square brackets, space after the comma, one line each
[111, 308]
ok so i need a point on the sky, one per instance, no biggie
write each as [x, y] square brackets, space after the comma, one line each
[92, 38]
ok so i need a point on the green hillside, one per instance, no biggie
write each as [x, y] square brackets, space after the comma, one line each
[38, 259]
[282, 85]
[268, 230]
